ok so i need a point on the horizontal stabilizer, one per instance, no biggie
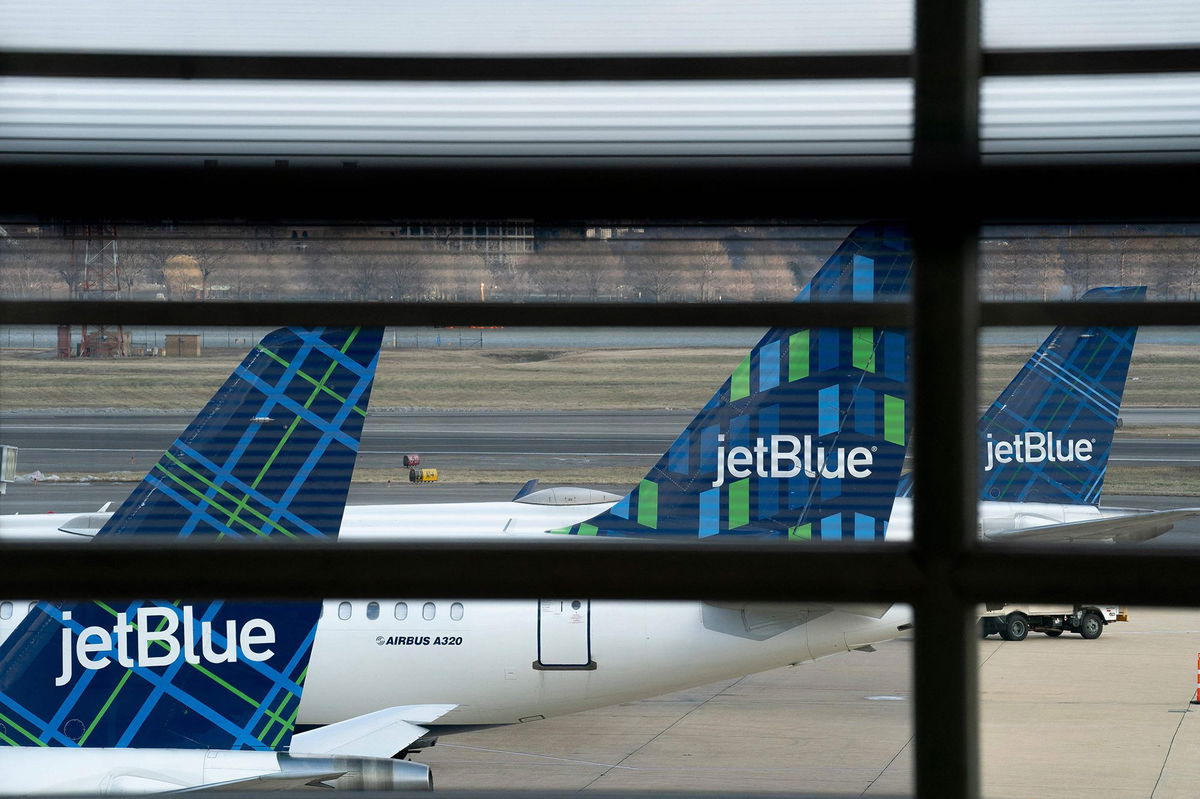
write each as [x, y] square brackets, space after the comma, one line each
[279, 781]
[1137, 526]
[379, 734]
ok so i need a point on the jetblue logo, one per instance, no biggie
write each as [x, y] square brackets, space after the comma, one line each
[155, 641]
[788, 456]
[1034, 447]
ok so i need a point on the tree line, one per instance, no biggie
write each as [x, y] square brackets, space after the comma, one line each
[615, 264]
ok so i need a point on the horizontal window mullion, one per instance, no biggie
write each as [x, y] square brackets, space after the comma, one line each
[861, 66]
[597, 569]
[464, 68]
[766, 572]
[1090, 61]
[740, 314]
[1044, 314]
[1073, 572]
[718, 189]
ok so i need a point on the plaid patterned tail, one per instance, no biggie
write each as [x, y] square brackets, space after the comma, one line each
[1047, 436]
[270, 456]
[806, 438]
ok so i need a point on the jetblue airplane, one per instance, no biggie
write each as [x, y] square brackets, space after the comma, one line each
[804, 442]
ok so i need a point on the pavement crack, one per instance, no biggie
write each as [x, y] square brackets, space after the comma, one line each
[663, 732]
[1170, 746]
[908, 743]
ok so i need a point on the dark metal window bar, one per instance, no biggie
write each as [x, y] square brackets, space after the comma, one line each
[943, 573]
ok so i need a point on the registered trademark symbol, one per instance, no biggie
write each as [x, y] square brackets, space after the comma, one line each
[874, 449]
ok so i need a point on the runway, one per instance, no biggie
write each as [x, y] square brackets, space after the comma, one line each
[530, 441]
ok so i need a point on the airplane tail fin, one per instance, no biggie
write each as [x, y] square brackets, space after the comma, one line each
[807, 436]
[270, 456]
[1047, 436]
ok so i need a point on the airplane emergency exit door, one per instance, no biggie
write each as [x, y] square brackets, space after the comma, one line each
[564, 634]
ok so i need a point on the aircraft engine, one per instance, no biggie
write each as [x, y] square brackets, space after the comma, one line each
[364, 773]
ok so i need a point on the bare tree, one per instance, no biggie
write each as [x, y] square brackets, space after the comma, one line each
[29, 265]
[1076, 256]
[182, 277]
[654, 277]
[142, 259]
[707, 261]
[1000, 269]
[405, 276]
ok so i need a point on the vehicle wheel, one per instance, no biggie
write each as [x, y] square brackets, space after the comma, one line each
[1053, 633]
[1090, 626]
[1015, 628]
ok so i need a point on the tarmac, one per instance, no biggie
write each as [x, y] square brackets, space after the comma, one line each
[1059, 717]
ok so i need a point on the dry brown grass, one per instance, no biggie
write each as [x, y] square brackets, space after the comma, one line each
[634, 379]
[1153, 481]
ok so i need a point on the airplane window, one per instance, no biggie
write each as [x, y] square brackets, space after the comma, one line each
[372, 610]
[6, 610]
[32, 605]
[429, 611]
[401, 611]
[456, 611]
[344, 611]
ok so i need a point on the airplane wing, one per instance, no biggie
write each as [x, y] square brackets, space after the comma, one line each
[759, 621]
[379, 734]
[1125, 529]
[279, 781]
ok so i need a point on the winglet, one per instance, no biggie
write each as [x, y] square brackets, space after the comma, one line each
[526, 489]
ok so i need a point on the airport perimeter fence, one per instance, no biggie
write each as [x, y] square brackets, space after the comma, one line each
[945, 193]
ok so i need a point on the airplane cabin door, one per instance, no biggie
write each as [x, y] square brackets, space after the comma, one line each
[564, 634]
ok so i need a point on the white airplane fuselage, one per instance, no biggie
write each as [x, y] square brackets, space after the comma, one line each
[508, 661]
[520, 660]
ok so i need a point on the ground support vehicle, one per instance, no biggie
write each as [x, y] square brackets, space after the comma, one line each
[1014, 622]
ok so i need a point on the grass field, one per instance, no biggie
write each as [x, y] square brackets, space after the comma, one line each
[595, 379]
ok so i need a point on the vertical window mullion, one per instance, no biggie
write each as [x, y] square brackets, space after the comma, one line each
[945, 156]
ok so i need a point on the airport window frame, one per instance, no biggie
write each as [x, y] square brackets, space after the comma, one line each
[944, 571]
